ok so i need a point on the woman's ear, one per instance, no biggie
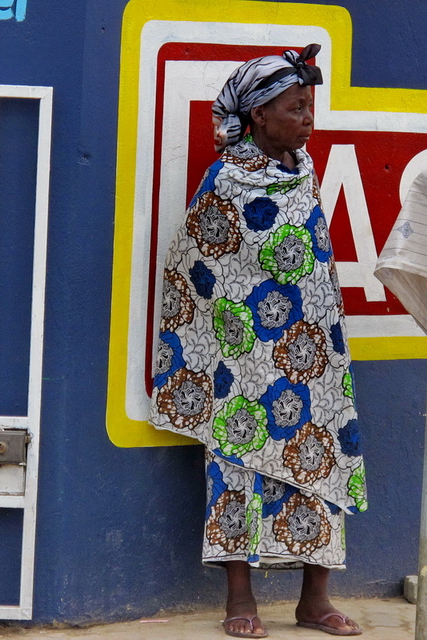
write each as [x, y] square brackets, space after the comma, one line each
[258, 115]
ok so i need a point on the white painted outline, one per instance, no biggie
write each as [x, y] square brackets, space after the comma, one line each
[31, 422]
[173, 172]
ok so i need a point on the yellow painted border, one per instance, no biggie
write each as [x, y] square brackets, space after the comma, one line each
[337, 22]
[396, 348]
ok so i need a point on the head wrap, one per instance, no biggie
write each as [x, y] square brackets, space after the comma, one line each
[256, 82]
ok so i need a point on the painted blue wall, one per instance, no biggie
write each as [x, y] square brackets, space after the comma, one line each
[119, 531]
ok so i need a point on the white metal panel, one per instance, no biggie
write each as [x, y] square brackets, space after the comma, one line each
[12, 502]
[12, 479]
[14, 422]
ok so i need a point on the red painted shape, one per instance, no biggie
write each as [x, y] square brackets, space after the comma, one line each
[201, 152]
[340, 230]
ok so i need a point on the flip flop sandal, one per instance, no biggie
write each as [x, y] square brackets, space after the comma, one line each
[243, 634]
[335, 632]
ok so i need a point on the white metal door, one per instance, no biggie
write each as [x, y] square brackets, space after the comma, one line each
[18, 484]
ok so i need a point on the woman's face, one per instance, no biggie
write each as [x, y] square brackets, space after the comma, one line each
[286, 122]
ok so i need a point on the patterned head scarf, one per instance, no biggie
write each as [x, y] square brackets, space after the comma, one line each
[256, 82]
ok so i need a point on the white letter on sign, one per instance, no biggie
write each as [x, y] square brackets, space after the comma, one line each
[342, 170]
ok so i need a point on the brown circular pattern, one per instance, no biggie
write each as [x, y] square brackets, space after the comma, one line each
[186, 398]
[214, 223]
[301, 352]
[302, 525]
[245, 155]
[227, 525]
[310, 454]
[177, 304]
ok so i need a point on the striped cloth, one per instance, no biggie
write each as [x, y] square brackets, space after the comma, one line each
[402, 264]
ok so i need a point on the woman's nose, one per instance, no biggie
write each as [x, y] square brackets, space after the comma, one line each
[308, 117]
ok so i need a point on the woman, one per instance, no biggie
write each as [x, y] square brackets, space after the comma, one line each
[253, 358]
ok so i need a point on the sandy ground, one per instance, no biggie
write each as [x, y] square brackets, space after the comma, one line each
[392, 619]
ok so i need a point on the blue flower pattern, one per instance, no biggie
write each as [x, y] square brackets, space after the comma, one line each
[215, 485]
[283, 491]
[288, 408]
[273, 310]
[275, 307]
[208, 183]
[333, 508]
[169, 357]
[349, 439]
[260, 214]
[318, 228]
[231, 459]
[203, 279]
[223, 379]
[337, 338]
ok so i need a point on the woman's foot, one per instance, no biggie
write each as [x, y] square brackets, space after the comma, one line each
[242, 619]
[314, 609]
[324, 616]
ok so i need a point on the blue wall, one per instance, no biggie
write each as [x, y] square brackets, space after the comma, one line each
[119, 530]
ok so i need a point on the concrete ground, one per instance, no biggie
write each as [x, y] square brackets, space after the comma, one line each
[392, 619]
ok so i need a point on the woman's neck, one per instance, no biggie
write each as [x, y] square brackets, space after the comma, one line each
[286, 157]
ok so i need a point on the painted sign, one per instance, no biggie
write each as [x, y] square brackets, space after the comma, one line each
[368, 146]
[13, 9]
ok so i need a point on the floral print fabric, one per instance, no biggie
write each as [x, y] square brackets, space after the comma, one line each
[268, 523]
[253, 358]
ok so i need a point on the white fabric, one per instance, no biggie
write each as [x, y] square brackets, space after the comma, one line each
[402, 264]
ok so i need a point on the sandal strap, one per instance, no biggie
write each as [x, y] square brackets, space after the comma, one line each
[341, 616]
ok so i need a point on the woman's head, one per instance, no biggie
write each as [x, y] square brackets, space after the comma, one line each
[284, 123]
[258, 82]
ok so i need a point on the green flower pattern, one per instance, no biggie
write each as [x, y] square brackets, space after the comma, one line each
[233, 324]
[241, 427]
[356, 488]
[288, 254]
[254, 522]
[347, 384]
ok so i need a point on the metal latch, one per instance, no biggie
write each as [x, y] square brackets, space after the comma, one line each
[13, 448]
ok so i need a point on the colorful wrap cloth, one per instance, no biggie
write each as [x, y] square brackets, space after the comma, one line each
[268, 523]
[253, 358]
